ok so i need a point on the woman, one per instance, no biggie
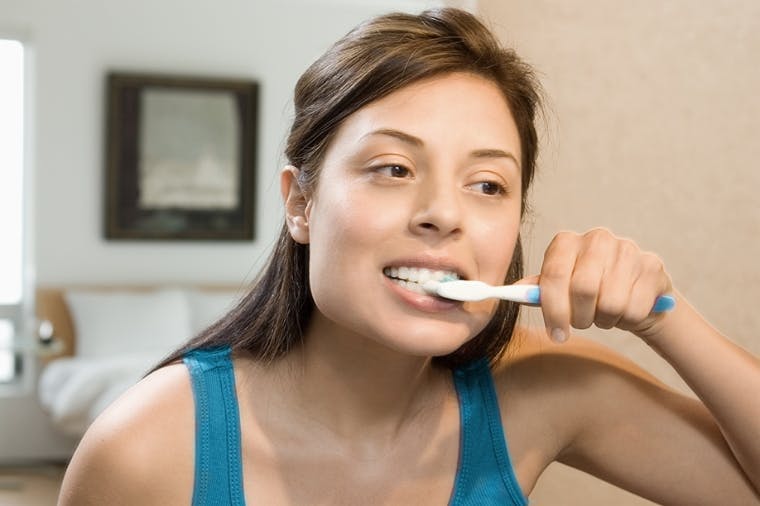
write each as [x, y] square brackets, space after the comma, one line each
[338, 381]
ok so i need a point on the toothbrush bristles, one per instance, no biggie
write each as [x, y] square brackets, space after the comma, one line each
[431, 287]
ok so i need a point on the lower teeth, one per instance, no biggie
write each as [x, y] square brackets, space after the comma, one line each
[410, 285]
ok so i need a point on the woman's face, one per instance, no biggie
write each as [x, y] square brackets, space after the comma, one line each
[425, 181]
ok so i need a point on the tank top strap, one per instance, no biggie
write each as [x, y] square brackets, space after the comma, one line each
[485, 474]
[218, 459]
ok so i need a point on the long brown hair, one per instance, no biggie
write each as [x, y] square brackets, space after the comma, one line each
[378, 57]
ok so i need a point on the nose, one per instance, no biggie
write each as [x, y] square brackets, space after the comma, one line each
[438, 210]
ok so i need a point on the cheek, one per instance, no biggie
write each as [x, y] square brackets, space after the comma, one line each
[495, 246]
[348, 220]
[495, 249]
[346, 231]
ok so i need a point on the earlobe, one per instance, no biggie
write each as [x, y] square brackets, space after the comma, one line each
[297, 205]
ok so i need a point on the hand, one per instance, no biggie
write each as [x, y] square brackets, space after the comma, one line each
[599, 279]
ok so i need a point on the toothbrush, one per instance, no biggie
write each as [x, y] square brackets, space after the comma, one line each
[471, 291]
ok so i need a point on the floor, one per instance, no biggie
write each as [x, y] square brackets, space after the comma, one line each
[30, 486]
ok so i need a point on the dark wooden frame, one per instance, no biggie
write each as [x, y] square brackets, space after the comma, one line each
[124, 218]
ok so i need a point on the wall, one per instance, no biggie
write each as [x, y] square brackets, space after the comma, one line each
[75, 42]
[653, 114]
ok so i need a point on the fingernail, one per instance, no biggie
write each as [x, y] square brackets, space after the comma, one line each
[558, 335]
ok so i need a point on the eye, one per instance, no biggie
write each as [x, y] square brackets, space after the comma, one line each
[396, 171]
[489, 188]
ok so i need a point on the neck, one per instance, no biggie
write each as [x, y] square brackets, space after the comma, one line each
[355, 387]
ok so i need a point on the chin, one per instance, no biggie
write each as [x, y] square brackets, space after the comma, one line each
[429, 342]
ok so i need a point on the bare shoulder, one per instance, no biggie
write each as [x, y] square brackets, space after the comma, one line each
[123, 457]
[534, 364]
[550, 393]
[569, 381]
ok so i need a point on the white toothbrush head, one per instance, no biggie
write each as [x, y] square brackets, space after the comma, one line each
[472, 291]
[465, 291]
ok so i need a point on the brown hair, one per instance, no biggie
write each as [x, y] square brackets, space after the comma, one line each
[378, 57]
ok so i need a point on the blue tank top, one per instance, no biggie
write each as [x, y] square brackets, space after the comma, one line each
[484, 473]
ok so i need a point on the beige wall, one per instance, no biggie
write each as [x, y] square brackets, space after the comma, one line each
[654, 132]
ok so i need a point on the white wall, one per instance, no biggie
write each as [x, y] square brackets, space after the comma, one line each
[75, 43]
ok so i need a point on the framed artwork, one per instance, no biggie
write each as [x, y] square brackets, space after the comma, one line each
[180, 157]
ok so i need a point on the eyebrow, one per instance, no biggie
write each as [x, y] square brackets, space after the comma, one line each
[398, 134]
[495, 153]
[418, 143]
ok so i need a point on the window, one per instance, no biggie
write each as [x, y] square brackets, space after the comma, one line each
[11, 204]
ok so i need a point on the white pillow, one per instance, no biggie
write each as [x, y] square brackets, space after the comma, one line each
[208, 306]
[108, 323]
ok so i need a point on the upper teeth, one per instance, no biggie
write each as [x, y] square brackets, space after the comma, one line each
[418, 275]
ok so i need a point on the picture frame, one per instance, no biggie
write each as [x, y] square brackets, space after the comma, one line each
[180, 157]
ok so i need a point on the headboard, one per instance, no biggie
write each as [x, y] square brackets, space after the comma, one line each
[51, 305]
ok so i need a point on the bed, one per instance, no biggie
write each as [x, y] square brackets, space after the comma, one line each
[105, 338]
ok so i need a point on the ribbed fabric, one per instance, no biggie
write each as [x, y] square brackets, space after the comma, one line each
[484, 472]
[218, 460]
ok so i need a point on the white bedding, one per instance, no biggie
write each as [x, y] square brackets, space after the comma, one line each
[74, 390]
[120, 336]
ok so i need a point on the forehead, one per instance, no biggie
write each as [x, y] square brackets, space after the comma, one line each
[467, 108]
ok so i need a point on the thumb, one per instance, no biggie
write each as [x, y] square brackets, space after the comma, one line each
[528, 280]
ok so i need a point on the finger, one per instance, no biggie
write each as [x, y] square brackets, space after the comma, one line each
[617, 285]
[556, 270]
[529, 280]
[596, 257]
[651, 282]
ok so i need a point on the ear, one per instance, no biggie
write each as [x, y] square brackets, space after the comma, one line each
[297, 205]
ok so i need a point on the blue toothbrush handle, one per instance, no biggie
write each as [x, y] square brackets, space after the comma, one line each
[662, 304]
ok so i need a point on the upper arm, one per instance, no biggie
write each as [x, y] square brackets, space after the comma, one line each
[613, 420]
[124, 456]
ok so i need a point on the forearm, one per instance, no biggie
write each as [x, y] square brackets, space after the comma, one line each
[722, 374]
